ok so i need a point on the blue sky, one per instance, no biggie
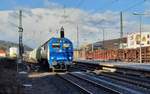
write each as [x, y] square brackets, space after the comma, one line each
[88, 5]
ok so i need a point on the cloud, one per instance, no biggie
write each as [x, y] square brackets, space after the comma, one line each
[40, 24]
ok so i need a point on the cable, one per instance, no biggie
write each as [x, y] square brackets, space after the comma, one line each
[80, 3]
[65, 16]
[77, 6]
[136, 4]
[108, 5]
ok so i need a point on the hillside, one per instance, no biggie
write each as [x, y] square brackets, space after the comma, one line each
[6, 45]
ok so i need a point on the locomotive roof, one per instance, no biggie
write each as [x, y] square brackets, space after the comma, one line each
[53, 39]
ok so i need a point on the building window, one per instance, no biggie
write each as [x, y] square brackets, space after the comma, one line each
[148, 42]
[137, 42]
[147, 36]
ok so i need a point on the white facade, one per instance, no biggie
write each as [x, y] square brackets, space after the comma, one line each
[13, 52]
[133, 40]
[123, 45]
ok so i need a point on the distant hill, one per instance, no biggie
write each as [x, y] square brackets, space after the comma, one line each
[6, 45]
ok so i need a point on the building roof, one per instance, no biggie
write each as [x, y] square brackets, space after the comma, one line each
[108, 44]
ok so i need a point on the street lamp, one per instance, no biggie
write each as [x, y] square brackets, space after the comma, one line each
[103, 37]
[102, 27]
[140, 18]
[77, 54]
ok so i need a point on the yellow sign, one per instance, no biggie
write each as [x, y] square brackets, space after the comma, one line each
[144, 39]
[137, 38]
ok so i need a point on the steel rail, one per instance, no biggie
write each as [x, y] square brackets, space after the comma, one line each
[112, 91]
[112, 85]
[75, 84]
[128, 80]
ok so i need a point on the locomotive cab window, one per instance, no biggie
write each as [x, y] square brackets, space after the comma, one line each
[55, 45]
[65, 45]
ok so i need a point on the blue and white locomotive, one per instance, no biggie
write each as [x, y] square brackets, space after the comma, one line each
[56, 53]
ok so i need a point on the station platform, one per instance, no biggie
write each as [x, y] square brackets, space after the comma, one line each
[126, 65]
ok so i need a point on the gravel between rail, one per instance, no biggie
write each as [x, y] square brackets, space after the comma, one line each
[49, 83]
[9, 83]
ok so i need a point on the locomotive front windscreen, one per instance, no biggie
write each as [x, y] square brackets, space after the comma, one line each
[66, 45]
[55, 45]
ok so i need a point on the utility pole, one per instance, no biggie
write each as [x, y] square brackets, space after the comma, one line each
[103, 41]
[140, 38]
[121, 30]
[140, 19]
[20, 36]
[103, 37]
[77, 41]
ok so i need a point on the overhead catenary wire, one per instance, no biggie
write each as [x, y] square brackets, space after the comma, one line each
[65, 15]
[109, 4]
[133, 6]
[77, 6]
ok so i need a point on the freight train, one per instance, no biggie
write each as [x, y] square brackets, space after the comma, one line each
[124, 55]
[55, 54]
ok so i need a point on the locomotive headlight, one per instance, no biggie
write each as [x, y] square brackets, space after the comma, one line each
[60, 50]
[52, 57]
[70, 57]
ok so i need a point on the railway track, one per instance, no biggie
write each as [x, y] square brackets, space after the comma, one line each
[137, 81]
[87, 66]
[87, 86]
[77, 68]
[124, 75]
[117, 84]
